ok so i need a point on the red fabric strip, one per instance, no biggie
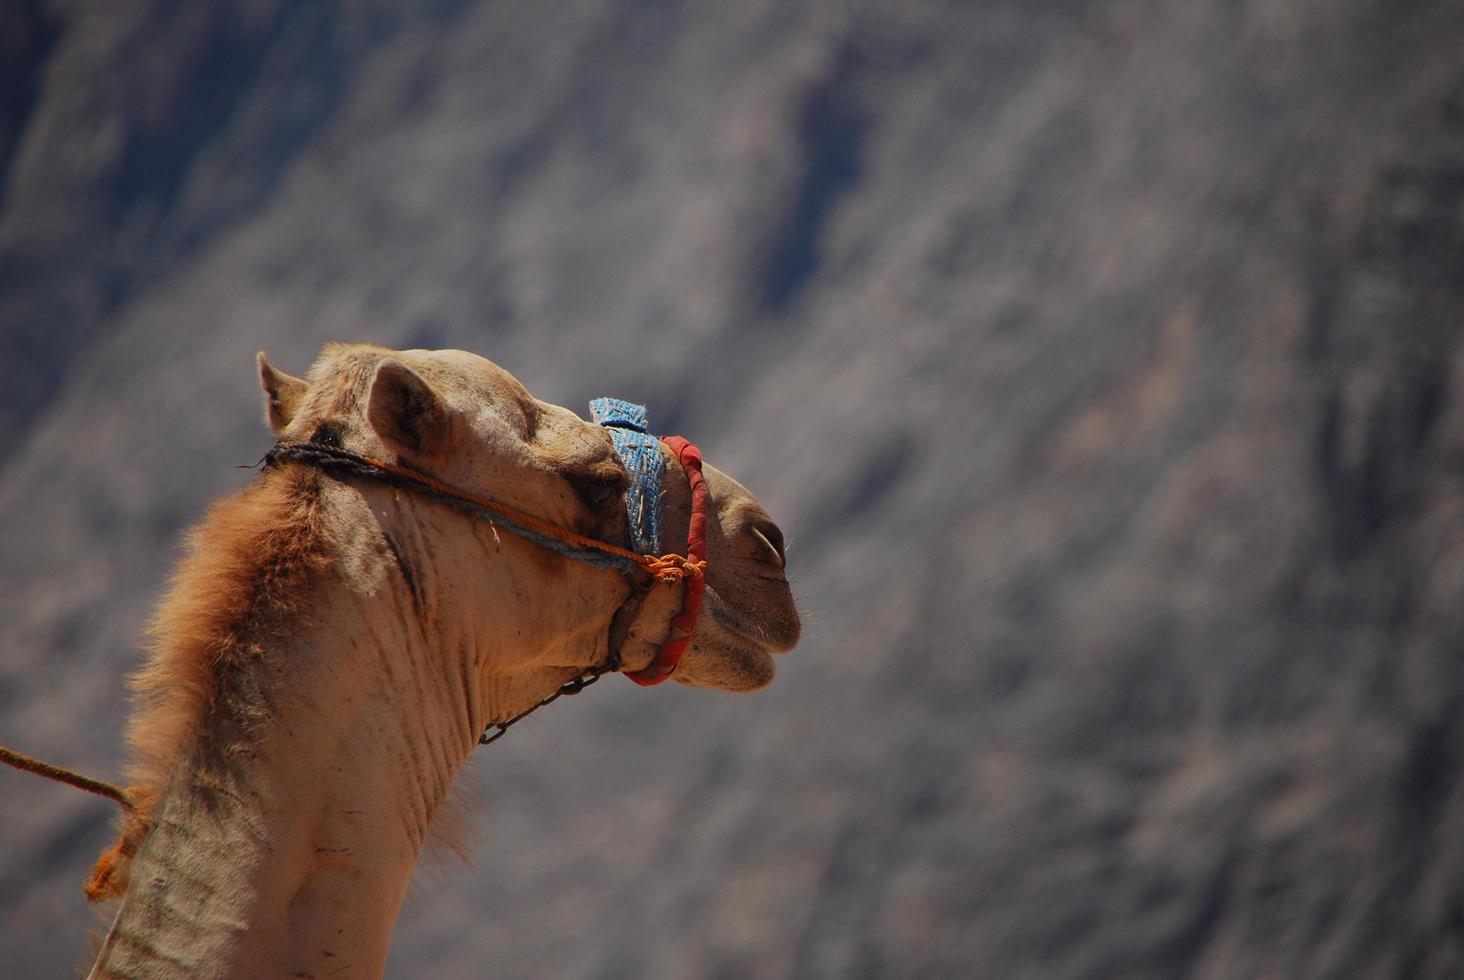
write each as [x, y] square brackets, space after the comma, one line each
[683, 624]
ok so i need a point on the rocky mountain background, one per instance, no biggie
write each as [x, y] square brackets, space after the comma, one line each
[1101, 361]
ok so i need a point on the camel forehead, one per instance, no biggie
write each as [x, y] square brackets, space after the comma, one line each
[341, 366]
[341, 378]
[460, 372]
[471, 380]
[465, 371]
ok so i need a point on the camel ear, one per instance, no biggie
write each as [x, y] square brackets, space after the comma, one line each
[404, 410]
[282, 394]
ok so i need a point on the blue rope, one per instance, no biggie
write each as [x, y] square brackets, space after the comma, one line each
[597, 558]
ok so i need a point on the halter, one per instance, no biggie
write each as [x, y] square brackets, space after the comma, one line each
[641, 454]
[639, 451]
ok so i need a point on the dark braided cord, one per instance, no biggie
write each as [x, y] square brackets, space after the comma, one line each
[345, 462]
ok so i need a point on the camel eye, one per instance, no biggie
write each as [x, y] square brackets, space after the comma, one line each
[596, 490]
[326, 435]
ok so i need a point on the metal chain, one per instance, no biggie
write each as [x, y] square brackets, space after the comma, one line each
[497, 730]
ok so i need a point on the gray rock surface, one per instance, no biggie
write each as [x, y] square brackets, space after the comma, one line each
[1101, 362]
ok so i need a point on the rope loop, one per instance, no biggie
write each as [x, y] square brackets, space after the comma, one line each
[670, 568]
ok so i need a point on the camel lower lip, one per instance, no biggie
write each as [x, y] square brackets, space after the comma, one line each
[740, 630]
[728, 621]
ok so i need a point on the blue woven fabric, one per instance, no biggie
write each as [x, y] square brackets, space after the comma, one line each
[641, 453]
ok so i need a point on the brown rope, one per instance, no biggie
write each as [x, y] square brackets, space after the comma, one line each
[26, 764]
[669, 568]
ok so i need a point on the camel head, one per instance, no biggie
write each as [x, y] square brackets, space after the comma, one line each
[469, 423]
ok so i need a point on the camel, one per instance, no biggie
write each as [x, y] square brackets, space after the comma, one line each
[331, 647]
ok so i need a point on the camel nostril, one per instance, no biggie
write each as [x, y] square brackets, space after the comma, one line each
[768, 533]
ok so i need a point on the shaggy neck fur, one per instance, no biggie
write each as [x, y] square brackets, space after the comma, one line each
[296, 735]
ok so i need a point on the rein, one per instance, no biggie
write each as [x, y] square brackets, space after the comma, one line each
[640, 454]
[59, 774]
[666, 568]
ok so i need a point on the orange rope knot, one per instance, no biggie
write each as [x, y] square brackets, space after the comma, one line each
[671, 569]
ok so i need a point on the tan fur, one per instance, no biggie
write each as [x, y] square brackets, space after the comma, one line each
[248, 565]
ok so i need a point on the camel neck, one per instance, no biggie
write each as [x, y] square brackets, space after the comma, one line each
[329, 716]
[288, 852]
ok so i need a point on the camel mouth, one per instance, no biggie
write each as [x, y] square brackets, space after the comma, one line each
[758, 636]
[727, 661]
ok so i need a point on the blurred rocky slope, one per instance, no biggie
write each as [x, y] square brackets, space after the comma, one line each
[1101, 361]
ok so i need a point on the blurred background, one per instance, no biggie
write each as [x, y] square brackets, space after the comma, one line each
[1100, 360]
